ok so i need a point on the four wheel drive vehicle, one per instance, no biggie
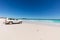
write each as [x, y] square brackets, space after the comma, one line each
[12, 20]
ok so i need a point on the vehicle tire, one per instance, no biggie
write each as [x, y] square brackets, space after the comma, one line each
[10, 22]
[6, 23]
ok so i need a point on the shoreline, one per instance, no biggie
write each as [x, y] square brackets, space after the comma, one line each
[45, 23]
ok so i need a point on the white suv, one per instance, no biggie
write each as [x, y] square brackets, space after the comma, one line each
[12, 20]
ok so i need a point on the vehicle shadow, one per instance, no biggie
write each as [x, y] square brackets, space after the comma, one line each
[13, 23]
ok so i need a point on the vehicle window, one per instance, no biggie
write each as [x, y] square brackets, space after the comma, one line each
[16, 19]
[11, 19]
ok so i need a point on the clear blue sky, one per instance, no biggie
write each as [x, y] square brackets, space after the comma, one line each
[30, 8]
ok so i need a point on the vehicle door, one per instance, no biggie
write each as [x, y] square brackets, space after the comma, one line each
[16, 21]
[13, 20]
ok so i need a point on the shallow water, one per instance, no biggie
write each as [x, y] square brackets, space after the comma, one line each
[51, 21]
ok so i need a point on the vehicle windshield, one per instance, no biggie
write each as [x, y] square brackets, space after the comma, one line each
[11, 19]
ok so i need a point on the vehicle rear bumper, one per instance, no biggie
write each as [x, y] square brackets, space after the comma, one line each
[6, 22]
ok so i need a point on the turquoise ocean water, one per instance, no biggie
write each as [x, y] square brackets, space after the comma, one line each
[57, 21]
[45, 20]
[54, 21]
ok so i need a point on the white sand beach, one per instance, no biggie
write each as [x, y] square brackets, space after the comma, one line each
[29, 31]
